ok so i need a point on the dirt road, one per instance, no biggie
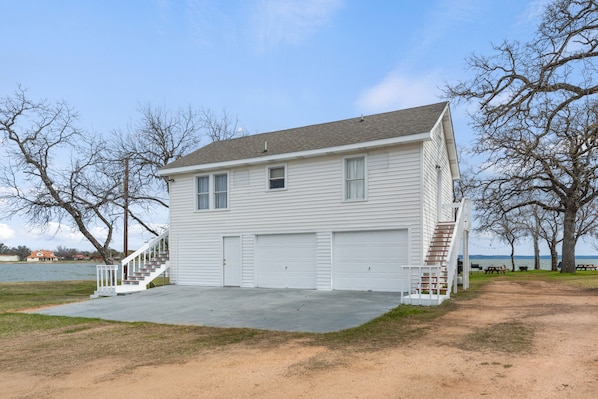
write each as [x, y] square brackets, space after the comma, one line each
[517, 340]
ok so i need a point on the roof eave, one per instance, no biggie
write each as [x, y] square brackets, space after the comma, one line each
[451, 145]
[296, 155]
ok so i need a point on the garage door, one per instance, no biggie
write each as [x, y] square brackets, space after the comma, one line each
[369, 260]
[286, 261]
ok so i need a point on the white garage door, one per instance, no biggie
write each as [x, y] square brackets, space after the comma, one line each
[286, 261]
[369, 260]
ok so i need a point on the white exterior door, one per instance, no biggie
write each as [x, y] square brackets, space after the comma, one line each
[231, 261]
[286, 261]
[370, 260]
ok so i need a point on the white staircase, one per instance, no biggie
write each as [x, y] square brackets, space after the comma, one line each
[433, 282]
[437, 283]
[136, 271]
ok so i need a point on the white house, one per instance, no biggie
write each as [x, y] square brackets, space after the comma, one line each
[9, 258]
[346, 205]
[42, 255]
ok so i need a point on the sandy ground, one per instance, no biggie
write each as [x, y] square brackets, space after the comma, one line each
[450, 361]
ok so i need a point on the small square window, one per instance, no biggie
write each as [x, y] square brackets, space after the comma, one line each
[276, 178]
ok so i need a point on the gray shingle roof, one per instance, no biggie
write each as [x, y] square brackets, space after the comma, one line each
[333, 134]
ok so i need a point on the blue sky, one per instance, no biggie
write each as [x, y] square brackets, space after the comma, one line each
[273, 64]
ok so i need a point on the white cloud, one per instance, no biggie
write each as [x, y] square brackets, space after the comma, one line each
[399, 91]
[55, 234]
[290, 21]
[6, 232]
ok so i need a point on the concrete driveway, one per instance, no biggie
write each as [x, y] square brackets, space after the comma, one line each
[269, 309]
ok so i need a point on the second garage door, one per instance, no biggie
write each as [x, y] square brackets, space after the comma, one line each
[286, 261]
[369, 260]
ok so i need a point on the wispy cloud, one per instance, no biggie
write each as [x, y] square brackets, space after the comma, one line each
[446, 17]
[399, 90]
[278, 22]
[532, 12]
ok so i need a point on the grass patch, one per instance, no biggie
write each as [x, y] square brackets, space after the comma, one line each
[400, 325]
[511, 337]
[18, 296]
[585, 279]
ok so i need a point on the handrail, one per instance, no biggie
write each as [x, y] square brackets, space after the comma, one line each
[148, 251]
[426, 287]
[462, 217]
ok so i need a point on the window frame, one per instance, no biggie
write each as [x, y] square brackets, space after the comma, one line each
[206, 194]
[346, 178]
[269, 169]
[211, 194]
[215, 193]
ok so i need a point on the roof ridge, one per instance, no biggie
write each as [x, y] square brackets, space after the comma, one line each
[373, 127]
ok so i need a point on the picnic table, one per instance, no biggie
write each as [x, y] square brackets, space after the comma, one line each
[497, 269]
[585, 267]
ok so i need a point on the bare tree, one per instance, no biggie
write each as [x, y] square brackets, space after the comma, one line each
[537, 121]
[45, 184]
[157, 139]
[223, 127]
[509, 227]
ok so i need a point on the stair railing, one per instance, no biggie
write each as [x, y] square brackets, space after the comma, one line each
[461, 219]
[150, 250]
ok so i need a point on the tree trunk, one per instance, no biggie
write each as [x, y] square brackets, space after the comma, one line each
[554, 258]
[536, 253]
[512, 257]
[569, 241]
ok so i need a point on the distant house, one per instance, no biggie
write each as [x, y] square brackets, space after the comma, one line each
[80, 257]
[9, 258]
[41, 255]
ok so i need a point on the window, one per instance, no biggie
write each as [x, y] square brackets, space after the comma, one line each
[355, 187]
[220, 191]
[276, 177]
[212, 192]
[203, 192]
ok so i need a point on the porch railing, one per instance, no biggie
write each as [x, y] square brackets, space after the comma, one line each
[106, 280]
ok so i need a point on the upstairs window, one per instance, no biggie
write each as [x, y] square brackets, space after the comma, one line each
[276, 177]
[212, 192]
[355, 181]
[220, 191]
[203, 192]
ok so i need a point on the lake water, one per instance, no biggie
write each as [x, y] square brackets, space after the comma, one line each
[20, 272]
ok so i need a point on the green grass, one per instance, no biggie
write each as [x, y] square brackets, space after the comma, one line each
[18, 296]
[586, 279]
[400, 325]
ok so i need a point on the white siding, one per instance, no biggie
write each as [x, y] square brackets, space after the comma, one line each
[311, 203]
[247, 254]
[324, 261]
[435, 154]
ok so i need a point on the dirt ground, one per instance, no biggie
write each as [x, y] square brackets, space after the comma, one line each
[551, 352]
